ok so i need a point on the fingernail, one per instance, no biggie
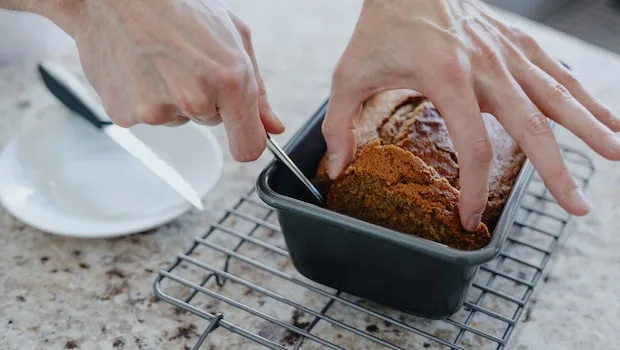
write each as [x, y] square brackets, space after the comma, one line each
[333, 165]
[577, 197]
[473, 222]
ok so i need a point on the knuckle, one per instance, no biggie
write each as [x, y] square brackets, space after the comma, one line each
[513, 31]
[329, 127]
[208, 120]
[347, 79]
[252, 90]
[326, 130]
[178, 121]
[229, 80]
[118, 117]
[537, 125]
[341, 77]
[569, 81]
[559, 93]
[527, 42]
[244, 30]
[261, 90]
[123, 122]
[242, 27]
[191, 107]
[593, 125]
[211, 121]
[489, 60]
[606, 113]
[153, 114]
[233, 79]
[482, 151]
[453, 69]
[600, 133]
[196, 105]
[607, 117]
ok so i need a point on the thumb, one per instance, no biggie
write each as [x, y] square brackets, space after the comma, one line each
[339, 131]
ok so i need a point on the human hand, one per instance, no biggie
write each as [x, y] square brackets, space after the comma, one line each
[467, 61]
[166, 62]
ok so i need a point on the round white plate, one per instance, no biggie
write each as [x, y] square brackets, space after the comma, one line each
[65, 177]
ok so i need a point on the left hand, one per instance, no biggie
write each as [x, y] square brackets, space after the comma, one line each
[467, 61]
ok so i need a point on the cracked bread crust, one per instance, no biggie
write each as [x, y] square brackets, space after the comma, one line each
[405, 174]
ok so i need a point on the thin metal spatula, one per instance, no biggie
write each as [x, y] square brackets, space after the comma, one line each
[284, 158]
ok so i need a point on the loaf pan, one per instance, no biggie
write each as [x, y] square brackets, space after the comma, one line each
[404, 272]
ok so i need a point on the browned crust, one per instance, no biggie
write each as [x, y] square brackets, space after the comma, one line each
[391, 187]
[405, 159]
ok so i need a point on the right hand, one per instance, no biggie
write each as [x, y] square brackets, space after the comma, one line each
[171, 61]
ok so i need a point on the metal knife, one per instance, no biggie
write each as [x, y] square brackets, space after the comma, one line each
[74, 95]
[284, 158]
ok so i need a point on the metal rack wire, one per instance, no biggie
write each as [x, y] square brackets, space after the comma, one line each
[238, 278]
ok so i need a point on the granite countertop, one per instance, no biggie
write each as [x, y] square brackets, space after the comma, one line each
[64, 293]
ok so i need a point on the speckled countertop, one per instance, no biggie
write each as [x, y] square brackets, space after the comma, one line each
[63, 293]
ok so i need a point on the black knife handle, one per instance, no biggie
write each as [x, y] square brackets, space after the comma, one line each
[68, 98]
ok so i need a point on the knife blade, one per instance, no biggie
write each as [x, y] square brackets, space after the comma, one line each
[73, 94]
[288, 162]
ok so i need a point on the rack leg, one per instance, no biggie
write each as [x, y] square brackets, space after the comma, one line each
[215, 322]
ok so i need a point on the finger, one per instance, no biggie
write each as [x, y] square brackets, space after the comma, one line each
[211, 120]
[459, 108]
[270, 121]
[197, 107]
[115, 104]
[154, 112]
[557, 103]
[177, 121]
[239, 110]
[339, 129]
[530, 128]
[196, 104]
[193, 94]
[563, 76]
[534, 52]
[152, 100]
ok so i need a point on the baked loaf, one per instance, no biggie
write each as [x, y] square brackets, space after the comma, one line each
[405, 173]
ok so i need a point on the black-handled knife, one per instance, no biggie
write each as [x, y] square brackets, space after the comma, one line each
[75, 96]
[70, 98]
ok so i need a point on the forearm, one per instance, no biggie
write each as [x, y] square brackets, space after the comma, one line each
[64, 13]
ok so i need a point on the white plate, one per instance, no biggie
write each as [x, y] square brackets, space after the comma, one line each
[65, 177]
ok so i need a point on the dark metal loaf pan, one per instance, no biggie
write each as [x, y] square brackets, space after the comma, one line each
[401, 271]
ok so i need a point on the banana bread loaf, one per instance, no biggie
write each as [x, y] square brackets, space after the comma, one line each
[405, 173]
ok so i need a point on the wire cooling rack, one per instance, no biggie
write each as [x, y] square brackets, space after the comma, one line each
[238, 280]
